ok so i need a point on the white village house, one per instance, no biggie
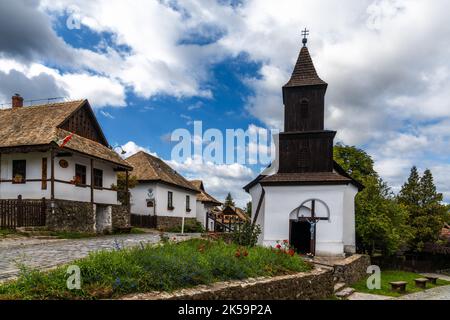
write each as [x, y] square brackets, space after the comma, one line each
[205, 204]
[304, 196]
[161, 192]
[76, 180]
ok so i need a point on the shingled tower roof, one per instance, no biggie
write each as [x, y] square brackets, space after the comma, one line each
[304, 73]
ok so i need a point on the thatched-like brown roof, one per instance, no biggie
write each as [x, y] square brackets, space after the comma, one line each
[148, 168]
[40, 125]
[203, 196]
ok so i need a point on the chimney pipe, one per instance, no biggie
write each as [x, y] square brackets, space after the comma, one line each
[17, 101]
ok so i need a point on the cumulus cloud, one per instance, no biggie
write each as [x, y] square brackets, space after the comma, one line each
[218, 179]
[130, 148]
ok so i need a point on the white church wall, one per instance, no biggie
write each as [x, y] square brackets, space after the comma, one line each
[349, 219]
[280, 201]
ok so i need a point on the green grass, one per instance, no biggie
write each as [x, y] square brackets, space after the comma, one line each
[110, 274]
[6, 232]
[390, 276]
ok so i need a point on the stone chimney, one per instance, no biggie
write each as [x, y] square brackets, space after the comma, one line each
[17, 101]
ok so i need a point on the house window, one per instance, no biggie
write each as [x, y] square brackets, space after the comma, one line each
[170, 200]
[80, 174]
[188, 204]
[98, 178]
[304, 109]
[19, 173]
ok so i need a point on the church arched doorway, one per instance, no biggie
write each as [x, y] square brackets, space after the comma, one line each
[303, 222]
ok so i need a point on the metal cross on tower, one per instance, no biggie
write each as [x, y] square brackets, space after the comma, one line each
[305, 34]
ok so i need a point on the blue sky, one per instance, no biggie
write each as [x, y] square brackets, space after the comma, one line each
[149, 67]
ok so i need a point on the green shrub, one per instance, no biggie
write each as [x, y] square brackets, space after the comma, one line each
[190, 226]
[109, 274]
[246, 235]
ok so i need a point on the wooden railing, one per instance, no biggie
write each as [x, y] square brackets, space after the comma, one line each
[143, 221]
[22, 213]
[222, 225]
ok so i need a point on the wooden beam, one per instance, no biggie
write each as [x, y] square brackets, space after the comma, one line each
[52, 173]
[261, 198]
[92, 181]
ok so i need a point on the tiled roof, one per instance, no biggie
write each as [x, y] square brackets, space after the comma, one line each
[149, 168]
[304, 73]
[38, 125]
[203, 196]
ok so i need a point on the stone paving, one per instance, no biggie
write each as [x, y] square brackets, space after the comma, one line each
[46, 255]
[438, 293]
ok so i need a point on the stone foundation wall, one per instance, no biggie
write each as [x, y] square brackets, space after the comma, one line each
[352, 269]
[120, 217]
[165, 223]
[317, 284]
[72, 216]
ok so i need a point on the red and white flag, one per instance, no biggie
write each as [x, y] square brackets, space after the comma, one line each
[62, 142]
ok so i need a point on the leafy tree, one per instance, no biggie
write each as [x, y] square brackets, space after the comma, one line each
[248, 209]
[229, 201]
[381, 222]
[427, 214]
[121, 186]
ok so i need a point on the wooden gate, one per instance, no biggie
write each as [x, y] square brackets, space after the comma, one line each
[22, 213]
[143, 221]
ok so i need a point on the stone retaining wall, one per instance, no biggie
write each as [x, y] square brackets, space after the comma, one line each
[71, 216]
[314, 285]
[75, 216]
[352, 269]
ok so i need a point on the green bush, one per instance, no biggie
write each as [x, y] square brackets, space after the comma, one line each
[246, 235]
[190, 226]
[109, 274]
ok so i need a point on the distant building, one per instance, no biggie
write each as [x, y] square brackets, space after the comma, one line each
[205, 203]
[161, 192]
[304, 196]
[58, 152]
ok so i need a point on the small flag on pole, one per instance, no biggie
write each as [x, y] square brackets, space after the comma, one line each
[62, 142]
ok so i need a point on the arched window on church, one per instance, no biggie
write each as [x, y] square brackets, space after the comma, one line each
[304, 108]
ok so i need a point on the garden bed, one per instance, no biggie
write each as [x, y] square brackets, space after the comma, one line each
[392, 276]
[112, 274]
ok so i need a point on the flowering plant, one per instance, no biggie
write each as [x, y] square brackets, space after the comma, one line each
[285, 247]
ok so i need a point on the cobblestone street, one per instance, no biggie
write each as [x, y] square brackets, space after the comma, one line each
[50, 254]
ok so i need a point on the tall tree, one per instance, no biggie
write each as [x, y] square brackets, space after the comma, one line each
[427, 213]
[229, 201]
[381, 222]
[248, 209]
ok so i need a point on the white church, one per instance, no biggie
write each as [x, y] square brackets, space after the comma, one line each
[305, 197]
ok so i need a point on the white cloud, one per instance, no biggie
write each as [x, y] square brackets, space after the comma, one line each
[131, 148]
[218, 179]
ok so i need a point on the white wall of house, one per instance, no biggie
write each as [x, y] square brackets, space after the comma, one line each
[331, 236]
[202, 210]
[139, 196]
[63, 191]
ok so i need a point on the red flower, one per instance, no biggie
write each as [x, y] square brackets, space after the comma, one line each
[291, 252]
[237, 254]
[285, 241]
[245, 253]
[278, 246]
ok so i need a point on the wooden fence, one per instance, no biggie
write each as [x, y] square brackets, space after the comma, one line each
[222, 225]
[22, 213]
[143, 221]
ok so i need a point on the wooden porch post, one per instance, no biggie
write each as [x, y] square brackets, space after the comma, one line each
[127, 194]
[92, 181]
[52, 173]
